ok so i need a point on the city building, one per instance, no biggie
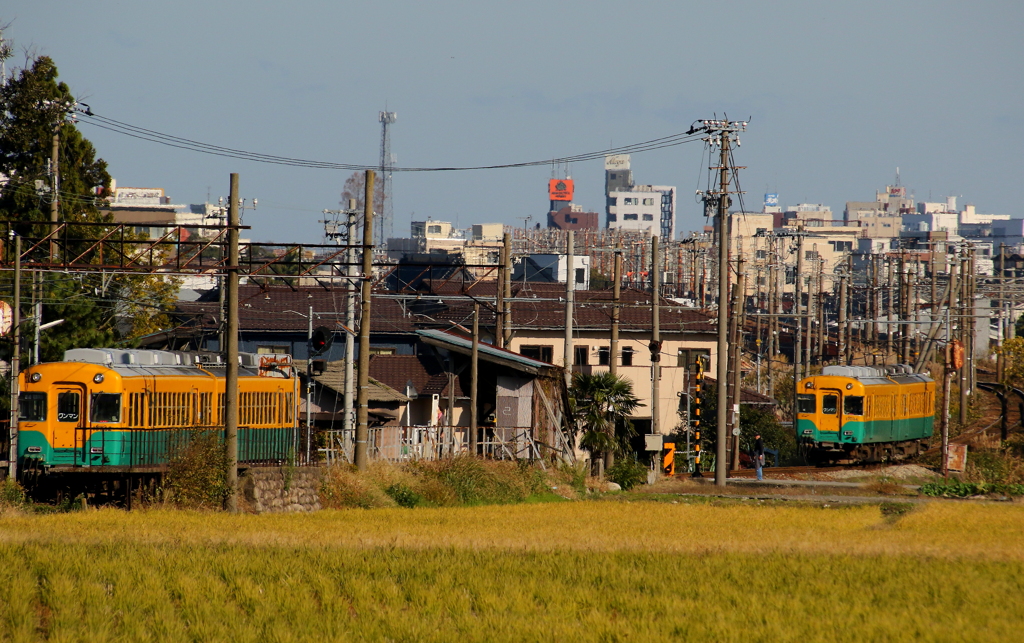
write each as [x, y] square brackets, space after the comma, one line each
[647, 208]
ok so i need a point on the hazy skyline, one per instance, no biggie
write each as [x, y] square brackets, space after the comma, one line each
[838, 96]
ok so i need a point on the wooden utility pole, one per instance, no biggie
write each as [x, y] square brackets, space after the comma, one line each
[365, 293]
[12, 457]
[231, 357]
[474, 378]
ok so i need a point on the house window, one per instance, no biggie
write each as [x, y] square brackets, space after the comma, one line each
[603, 356]
[648, 217]
[276, 349]
[581, 275]
[433, 229]
[630, 201]
[648, 201]
[613, 175]
[629, 217]
[627, 356]
[611, 217]
[541, 353]
[687, 358]
[581, 355]
[762, 254]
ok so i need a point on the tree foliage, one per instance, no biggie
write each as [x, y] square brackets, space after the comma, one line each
[602, 404]
[99, 309]
[1013, 352]
[355, 188]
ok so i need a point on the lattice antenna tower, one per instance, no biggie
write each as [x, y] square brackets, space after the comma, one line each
[387, 162]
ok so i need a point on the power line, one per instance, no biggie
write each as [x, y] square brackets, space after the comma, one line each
[153, 136]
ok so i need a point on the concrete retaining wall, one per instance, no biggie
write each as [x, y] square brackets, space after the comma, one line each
[282, 489]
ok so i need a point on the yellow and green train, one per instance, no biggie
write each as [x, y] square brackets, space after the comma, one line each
[864, 413]
[131, 411]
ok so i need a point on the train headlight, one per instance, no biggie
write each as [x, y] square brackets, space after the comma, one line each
[35, 377]
[808, 384]
[98, 378]
[849, 386]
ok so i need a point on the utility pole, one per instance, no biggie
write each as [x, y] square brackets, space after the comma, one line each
[231, 369]
[350, 321]
[506, 312]
[499, 299]
[964, 327]
[570, 296]
[843, 321]
[55, 200]
[474, 377]
[12, 458]
[798, 296]
[309, 383]
[1001, 359]
[721, 133]
[655, 337]
[362, 400]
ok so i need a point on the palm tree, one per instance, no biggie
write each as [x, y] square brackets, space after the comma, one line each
[602, 404]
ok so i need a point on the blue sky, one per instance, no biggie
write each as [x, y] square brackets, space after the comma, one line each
[838, 94]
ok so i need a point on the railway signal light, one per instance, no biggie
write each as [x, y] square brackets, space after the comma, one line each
[321, 340]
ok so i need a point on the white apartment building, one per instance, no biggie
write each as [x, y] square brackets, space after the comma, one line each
[637, 208]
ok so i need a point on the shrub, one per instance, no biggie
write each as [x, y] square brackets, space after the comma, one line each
[628, 473]
[403, 495]
[12, 496]
[964, 489]
[344, 488]
[197, 473]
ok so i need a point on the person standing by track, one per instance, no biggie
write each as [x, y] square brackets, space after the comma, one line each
[758, 455]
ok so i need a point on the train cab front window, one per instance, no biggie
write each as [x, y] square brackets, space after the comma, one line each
[68, 403]
[32, 407]
[829, 404]
[805, 404]
[106, 407]
[853, 405]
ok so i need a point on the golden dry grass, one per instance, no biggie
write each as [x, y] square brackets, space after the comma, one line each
[601, 571]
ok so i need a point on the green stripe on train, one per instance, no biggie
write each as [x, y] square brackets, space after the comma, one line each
[870, 432]
[154, 447]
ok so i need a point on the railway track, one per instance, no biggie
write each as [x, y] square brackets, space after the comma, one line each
[807, 469]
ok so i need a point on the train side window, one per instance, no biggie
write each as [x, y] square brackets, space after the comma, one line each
[853, 405]
[106, 407]
[68, 403]
[830, 404]
[32, 407]
[805, 404]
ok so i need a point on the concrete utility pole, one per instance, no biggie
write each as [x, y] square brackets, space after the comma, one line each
[843, 321]
[570, 298]
[55, 200]
[613, 350]
[231, 337]
[362, 399]
[474, 378]
[655, 337]
[721, 465]
[309, 384]
[1001, 335]
[350, 321]
[798, 296]
[499, 300]
[12, 457]
[737, 370]
[506, 312]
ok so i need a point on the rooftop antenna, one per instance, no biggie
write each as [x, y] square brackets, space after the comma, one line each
[387, 163]
[897, 176]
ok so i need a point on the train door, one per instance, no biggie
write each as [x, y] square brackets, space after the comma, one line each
[830, 408]
[69, 430]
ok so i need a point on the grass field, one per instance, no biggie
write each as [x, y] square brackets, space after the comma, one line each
[590, 571]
